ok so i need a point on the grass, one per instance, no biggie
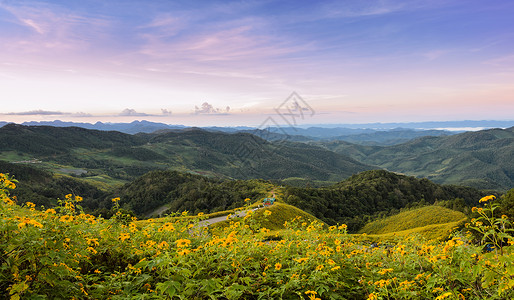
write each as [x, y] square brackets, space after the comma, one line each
[280, 214]
[432, 222]
[434, 232]
[419, 217]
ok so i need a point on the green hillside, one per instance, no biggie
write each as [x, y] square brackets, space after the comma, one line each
[44, 188]
[415, 218]
[123, 157]
[482, 159]
[188, 192]
[371, 194]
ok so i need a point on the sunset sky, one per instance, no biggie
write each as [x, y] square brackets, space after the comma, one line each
[349, 61]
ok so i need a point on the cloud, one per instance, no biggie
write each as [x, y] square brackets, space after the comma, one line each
[435, 54]
[52, 26]
[38, 28]
[131, 112]
[209, 109]
[81, 115]
[501, 61]
[36, 113]
[166, 112]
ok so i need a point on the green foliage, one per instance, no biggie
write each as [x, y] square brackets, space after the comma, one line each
[506, 204]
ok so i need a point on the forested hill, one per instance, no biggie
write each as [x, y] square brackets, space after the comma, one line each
[483, 159]
[48, 140]
[372, 193]
[179, 192]
[243, 155]
[352, 201]
[125, 157]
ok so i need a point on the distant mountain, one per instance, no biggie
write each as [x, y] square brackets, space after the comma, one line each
[365, 134]
[390, 137]
[483, 159]
[356, 136]
[49, 140]
[131, 128]
[124, 156]
[423, 125]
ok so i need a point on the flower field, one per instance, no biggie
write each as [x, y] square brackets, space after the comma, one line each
[63, 253]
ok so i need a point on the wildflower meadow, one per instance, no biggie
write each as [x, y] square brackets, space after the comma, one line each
[64, 253]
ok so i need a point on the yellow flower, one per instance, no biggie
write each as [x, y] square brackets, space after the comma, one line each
[50, 211]
[384, 271]
[301, 260]
[372, 296]
[124, 236]
[319, 267]
[78, 198]
[68, 196]
[335, 268]
[278, 266]
[168, 227]
[93, 242]
[445, 295]
[66, 218]
[182, 252]
[487, 198]
[311, 292]
[115, 199]
[267, 212]
[183, 243]
[247, 199]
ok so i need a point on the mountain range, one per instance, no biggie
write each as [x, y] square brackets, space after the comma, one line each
[125, 156]
[482, 159]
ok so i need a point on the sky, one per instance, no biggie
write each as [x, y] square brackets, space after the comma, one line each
[250, 63]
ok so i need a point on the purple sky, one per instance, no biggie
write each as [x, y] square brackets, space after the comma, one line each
[234, 63]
